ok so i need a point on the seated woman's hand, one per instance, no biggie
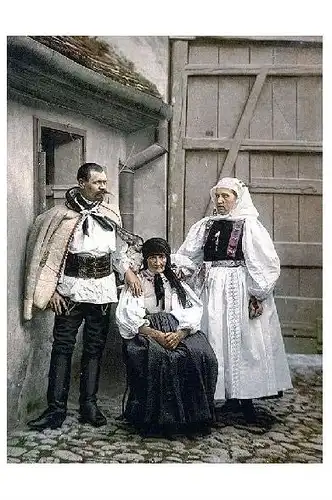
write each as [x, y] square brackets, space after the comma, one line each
[160, 337]
[173, 339]
[157, 335]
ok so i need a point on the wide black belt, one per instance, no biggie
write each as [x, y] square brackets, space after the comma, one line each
[88, 266]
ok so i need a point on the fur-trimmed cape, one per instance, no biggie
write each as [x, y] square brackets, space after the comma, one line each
[47, 250]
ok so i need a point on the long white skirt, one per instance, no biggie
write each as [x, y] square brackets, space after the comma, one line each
[250, 352]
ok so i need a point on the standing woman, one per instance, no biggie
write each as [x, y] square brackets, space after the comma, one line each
[236, 271]
[171, 368]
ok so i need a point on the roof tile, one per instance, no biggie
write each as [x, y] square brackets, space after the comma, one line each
[100, 57]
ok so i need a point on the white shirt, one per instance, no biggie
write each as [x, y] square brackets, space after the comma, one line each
[131, 311]
[99, 242]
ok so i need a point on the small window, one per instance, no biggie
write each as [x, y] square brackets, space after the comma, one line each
[59, 152]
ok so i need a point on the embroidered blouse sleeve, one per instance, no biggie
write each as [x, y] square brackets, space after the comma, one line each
[130, 314]
[182, 264]
[189, 317]
[192, 247]
[261, 259]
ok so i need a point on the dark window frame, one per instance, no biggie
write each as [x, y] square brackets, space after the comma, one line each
[39, 172]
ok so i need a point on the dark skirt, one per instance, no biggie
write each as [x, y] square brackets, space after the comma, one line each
[170, 388]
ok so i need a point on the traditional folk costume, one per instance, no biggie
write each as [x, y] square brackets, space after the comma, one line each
[167, 388]
[74, 250]
[235, 260]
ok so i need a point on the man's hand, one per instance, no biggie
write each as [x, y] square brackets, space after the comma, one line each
[133, 282]
[58, 304]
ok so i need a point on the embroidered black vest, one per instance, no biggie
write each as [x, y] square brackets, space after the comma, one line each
[224, 241]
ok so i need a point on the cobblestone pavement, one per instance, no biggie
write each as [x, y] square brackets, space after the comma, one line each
[294, 435]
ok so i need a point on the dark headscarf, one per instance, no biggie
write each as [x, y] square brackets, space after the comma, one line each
[157, 246]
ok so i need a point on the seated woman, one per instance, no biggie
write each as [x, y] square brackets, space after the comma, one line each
[171, 367]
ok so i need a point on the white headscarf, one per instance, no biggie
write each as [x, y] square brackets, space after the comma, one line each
[244, 206]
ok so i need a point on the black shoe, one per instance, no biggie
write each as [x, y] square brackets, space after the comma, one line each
[230, 406]
[150, 430]
[248, 411]
[49, 419]
[195, 430]
[279, 395]
[205, 430]
[168, 435]
[91, 414]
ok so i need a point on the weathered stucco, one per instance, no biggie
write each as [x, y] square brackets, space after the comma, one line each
[150, 55]
[29, 343]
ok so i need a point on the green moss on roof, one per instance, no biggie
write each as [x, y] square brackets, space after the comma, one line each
[100, 57]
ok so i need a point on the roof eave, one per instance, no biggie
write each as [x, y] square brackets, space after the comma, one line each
[101, 93]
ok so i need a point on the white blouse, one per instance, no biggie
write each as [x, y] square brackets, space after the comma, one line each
[261, 259]
[99, 242]
[131, 311]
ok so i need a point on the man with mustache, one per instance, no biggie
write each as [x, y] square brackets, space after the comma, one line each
[72, 252]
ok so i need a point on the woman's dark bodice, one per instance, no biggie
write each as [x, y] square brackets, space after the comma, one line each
[224, 241]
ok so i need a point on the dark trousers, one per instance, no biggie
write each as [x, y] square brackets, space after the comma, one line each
[95, 330]
[65, 330]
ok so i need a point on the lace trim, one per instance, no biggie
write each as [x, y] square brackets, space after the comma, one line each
[227, 263]
[235, 237]
[149, 276]
[234, 331]
[207, 230]
[199, 276]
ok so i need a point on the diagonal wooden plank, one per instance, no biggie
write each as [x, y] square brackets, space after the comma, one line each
[241, 129]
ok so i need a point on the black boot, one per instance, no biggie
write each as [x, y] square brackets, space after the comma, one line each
[89, 411]
[230, 406]
[57, 394]
[248, 411]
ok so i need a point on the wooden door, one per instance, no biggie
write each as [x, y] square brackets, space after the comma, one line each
[253, 109]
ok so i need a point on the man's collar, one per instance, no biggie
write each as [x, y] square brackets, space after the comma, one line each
[89, 202]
